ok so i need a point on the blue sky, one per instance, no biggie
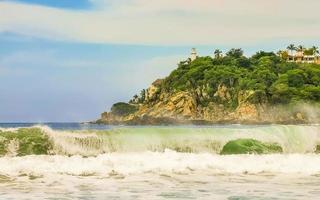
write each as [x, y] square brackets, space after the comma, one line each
[66, 60]
[69, 4]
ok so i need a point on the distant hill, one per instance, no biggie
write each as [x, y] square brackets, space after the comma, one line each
[227, 89]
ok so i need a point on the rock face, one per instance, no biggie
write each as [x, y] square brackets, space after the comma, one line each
[223, 93]
[152, 90]
[179, 105]
[246, 110]
[183, 107]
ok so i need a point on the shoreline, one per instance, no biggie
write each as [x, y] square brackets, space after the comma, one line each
[170, 122]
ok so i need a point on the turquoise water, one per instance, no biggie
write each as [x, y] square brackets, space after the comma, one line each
[182, 162]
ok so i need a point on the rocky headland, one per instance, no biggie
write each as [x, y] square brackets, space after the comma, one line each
[262, 89]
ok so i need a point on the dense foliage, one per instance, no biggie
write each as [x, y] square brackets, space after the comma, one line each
[272, 79]
[123, 109]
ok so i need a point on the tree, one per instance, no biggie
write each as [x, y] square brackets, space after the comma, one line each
[315, 50]
[261, 54]
[123, 109]
[235, 53]
[311, 51]
[242, 62]
[142, 96]
[272, 79]
[312, 92]
[300, 48]
[308, 52]
[217, 53]
[291, 48]
[280, 92]
[296, 77]
[283, 54]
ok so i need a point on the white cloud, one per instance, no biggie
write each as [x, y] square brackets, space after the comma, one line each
[47, 58]
[139, 72]
[168, 22]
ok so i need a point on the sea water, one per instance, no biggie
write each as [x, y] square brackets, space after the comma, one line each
[89, 161]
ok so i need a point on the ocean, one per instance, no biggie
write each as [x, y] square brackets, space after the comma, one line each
[89, 161]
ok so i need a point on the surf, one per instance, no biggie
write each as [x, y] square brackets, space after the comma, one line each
[171, 162]
[43, 140]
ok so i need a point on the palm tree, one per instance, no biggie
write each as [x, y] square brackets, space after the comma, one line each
[315, 50]
[300, 48]
[291, 48]
[217, 53]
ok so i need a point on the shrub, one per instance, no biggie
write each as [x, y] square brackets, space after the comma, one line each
[123, 109]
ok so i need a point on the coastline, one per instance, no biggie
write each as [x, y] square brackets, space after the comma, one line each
[150, 121]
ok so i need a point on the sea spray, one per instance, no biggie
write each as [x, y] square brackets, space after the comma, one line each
[44, 140]
[183, 161]
[24, 141]
[292, 139]
[107, 165]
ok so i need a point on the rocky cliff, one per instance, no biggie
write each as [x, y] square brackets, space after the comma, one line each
[183, 108]
[194, 94]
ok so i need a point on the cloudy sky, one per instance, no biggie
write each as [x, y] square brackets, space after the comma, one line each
[69, 60]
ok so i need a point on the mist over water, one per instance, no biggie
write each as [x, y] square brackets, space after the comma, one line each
[162, 163]
[292, 138]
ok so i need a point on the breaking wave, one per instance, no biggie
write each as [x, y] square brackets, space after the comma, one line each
[42, 151]
[44, 140]
[123, 164]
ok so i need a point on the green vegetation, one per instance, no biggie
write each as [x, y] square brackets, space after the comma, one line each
[272, 78]
[123, 109]
[317, 150]
[249, 146]
[306, 51]
[25, 141]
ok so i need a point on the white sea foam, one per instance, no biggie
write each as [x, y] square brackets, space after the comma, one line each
[153, 162]
[143, 163]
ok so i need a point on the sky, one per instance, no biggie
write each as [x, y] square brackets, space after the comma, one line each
[68, 61]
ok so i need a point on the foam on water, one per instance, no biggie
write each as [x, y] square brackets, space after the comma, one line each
[154, 162]
[164, 163]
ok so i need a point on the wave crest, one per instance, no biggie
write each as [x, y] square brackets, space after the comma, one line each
[291, 138]
[154, 162]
